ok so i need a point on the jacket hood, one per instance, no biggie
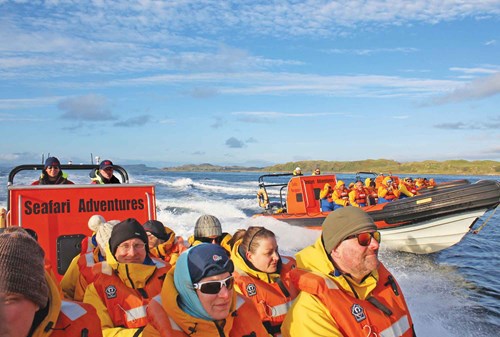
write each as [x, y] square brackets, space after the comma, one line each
[314, 258]
[241, 263]
[339, 183]
[53, 310]
[169, 296]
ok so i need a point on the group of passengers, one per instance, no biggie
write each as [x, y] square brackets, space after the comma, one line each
[53, 175]
[374, 191]
[134, 279]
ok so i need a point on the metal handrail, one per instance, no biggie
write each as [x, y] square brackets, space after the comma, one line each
[35, 167]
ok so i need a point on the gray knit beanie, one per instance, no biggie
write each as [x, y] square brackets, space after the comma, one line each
[22, 267]
[343, 222]
[206, 226]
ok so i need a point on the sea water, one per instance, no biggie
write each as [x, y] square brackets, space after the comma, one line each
[455, 292]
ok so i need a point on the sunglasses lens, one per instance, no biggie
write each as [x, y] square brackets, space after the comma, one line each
[214, 287]
[364, 239]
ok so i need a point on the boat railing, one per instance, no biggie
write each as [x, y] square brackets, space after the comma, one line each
[81, 167]
[282, 185]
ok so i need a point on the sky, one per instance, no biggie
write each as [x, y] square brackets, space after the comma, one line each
[249, 82]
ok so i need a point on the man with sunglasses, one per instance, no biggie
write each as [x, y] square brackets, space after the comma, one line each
[104, 175]
[345, 289]
[52, 174]
[198, 299]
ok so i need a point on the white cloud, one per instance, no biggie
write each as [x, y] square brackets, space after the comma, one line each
[490, 43]
[477, 89]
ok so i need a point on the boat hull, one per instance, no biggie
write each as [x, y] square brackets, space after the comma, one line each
[430, 236]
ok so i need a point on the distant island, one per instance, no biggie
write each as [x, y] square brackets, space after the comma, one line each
[455, 167]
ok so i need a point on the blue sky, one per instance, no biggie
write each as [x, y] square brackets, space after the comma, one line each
[249, 82]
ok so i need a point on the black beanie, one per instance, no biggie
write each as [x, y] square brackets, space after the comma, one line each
[126, 230]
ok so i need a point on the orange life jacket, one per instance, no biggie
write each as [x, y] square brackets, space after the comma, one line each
[272, 299]
[76, 319]
[127, 306]
[244, 321]
[360, 196]
[384, 313]
[168, 252]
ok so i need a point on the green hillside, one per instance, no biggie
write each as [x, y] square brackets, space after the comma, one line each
[459, 167]
[456, 167]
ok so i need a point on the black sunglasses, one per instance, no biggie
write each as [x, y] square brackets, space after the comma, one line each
[214, 287]
[216, 239]
[364, 239]
[52, 167]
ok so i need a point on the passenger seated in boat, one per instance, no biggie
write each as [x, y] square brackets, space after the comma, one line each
[358, 197]
[31, 299]
[80, 271]
[52, 174]
[387, 192]
[297, 171]
[344, 288]
[262, 275]
[104, 175]
[316, 172]
[340, 195]
[209, 230]
[326, 198]
[163, 243]
[126, 282]
[198, 299]
[407, 188]
[372, 190]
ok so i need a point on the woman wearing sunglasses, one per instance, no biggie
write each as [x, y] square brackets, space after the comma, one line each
[198, 299]
[52, 174]
[262, 275]
[345, 290]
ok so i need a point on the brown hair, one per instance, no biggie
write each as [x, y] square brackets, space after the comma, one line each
[236, 236]
[252, 237]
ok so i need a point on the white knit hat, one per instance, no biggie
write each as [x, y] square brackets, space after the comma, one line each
[95, 221]
[103, 233]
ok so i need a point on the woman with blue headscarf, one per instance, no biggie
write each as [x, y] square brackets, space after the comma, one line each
[198, 299]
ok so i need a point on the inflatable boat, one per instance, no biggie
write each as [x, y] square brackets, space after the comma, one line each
[434, 219]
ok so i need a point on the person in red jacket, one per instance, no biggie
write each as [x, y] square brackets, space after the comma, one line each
[52, 174]
[32, 300]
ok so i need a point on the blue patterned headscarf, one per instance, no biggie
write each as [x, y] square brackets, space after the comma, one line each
[189, 301]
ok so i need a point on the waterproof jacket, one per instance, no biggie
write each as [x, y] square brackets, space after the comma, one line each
[340, 194]
[333, 304]
[62, 179]
[121, 291]
[62, 318]
[79, 275]
[167, 319]
[272, 294]
[97, 178]
[169, 250]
